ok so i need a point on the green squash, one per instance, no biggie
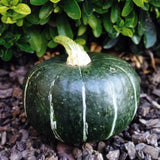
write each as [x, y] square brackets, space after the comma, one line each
[86, 100]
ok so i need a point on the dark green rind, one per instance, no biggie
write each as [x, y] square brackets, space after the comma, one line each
[98, 78]
[37, 104]
[101, 73]
[67, 100]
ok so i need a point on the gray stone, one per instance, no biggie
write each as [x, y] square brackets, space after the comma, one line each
[147, 149]
[130, 147]
[6, 93]
[15, 155]
[113, 155]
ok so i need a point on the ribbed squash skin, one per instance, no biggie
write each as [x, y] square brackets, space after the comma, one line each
[78, 104]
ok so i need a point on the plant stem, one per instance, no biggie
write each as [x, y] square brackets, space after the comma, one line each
[77, 56]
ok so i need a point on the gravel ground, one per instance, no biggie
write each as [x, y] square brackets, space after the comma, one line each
[19, 141]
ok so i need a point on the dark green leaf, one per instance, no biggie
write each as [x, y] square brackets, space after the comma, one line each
[44, 21]
[42, 51]
[146, 7]
[98, 30]
[43, 47]
[99, 10]
[63, 26]
[7, 55]
[51, 44]
[113, 33]
[2, 41]
[81, 30]
[136, 39]
[141, 23]
[45, 11]
[57, 9]
[8, 44]
[10, 36]
[35, 39]
[155, 3]
[93, 21]
[19, 22]
[87, 6]
[78, 22]
[80, 41]
[98, 3]
[84, 17]
[33, 18]
[16, 16]
[46, 33]
[127, 32]
[72, 9]
[108, 26]
[157, 13]
[124, 30]
[3, 27]
[53, 32]
[115, 13]
[120, 22]
[24, 47]
[131, 20]
[128, 7]
[150, 34]
[38, 2]
[139, 3]
[110, 42]
[107, 4]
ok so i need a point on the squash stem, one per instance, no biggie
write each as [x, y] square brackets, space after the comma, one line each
[77, 56]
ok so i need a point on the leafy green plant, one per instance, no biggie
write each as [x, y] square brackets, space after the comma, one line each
[12, 41]
[13, 11]
[81, 20]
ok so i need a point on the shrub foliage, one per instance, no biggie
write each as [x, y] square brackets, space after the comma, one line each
[30, 26]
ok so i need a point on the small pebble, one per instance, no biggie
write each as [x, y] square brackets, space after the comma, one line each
[87, 149]
[3, 137]
[152, 139]
[77, 153]
[21, 146]
[130, 147]
[140, 155]
[98, 156]
[152, 123]
[52, 158]
[101, 146]
[15, 155]
[6, 93]
[24, 133]
[13, 139]
[140, 137]
[32, 158]
[17, 93]
[152, 151]
[64, 151]
[113, 155]
[123, 156]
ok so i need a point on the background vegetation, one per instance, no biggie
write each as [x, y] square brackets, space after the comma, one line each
[30, 26]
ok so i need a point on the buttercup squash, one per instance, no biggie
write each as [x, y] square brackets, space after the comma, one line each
[90, 98]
